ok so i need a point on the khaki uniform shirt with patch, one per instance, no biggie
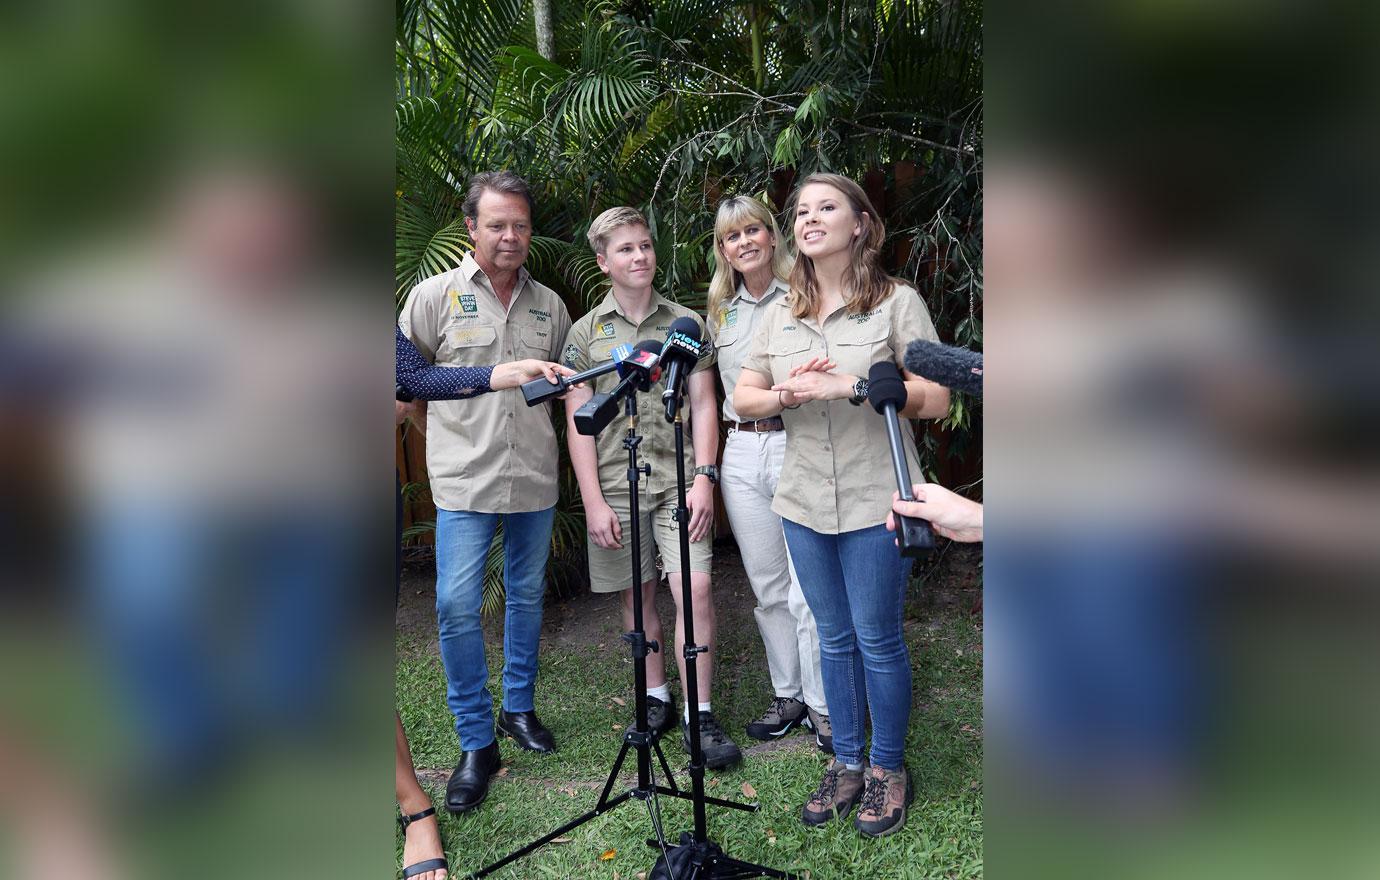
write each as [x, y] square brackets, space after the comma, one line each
[732, 331]
[590, 343]
[837, 476]
[491, 453]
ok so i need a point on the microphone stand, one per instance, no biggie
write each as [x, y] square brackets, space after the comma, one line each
[639, 738]
[696, 857]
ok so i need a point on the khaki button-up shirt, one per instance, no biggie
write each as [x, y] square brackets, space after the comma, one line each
[491, 453]
[591, 342]
[732, 331]
[837, 476]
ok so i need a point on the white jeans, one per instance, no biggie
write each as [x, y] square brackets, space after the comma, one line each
[751, 467]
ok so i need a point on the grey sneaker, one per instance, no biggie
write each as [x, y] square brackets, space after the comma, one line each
[838, 791]
[883, 810]
[719, 751]
[782, 716]
[824, 733]
[661, 716]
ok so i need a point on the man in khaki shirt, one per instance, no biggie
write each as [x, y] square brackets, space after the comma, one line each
[490, 459]
[631, 312]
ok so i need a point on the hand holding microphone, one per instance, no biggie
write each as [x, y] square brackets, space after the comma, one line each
[543, 389]
[886, 392]
[948, 513]
[515, 373]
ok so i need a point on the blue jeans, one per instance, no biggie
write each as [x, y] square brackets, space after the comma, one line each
[855, 584]
[462, 545]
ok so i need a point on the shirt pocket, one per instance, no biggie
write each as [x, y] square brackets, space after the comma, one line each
[786, 350]
[856, 350]
[727, 336]
[469, 344]
[535, 342]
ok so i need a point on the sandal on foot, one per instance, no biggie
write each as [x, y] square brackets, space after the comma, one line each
[430, 864]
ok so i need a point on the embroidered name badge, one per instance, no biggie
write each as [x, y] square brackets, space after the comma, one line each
[864, 317]
[539, 314]
[788, 328]
[468, 303]
[606, 329]
[470, 336]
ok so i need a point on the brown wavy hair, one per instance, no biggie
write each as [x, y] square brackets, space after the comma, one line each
[865, 283]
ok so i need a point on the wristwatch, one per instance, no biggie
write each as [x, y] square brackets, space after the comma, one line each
[859, 392]
[709, 470]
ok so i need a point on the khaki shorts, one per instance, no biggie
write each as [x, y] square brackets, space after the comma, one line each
[611, 570]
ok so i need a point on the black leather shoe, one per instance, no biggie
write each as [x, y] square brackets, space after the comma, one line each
[469, 784]
[526, 730]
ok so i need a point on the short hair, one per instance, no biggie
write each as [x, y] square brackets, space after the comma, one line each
[495, 181]
[614, 218]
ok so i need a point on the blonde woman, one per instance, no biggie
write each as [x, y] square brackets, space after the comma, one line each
[809, 363]
[750, 270]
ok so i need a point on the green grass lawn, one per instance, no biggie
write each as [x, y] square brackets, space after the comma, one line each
[585, 673]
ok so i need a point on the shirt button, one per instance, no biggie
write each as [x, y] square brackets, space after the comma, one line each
[829, 482]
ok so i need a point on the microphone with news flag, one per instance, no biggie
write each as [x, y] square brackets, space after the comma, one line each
[639, 368]
[540, 390]
[682, 350]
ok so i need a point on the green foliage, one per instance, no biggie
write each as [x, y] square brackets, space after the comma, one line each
[673, 105]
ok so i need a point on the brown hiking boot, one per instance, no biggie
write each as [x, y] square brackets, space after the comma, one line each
[883, 809]
[824, 731]
[838, 791]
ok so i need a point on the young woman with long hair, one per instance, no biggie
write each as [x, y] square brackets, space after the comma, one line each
[808, 364]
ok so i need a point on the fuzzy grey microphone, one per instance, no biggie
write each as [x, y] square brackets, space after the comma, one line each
[947, 365]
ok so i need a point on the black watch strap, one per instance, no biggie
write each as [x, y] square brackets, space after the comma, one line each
[709, 470]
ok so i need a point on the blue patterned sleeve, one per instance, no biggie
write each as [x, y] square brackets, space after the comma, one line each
[426, 381]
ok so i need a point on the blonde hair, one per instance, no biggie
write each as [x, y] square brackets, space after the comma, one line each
[865, 283]
[614, 218]
[735, 212]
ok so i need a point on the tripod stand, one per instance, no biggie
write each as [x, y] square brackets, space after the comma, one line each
[696, 857]
[639, 738]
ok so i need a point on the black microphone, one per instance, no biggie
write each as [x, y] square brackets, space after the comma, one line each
[682, 352]
[952, 367]
[645, 361]
[639, 370]
[540, 390]
[886, 391]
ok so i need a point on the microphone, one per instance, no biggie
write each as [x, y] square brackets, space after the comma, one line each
[948, 365]
[539, 390]
[886, 391]
[645, 361]
[638, 369]
[682, 352]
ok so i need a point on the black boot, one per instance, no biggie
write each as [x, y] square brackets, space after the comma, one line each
[526, 730]
[469, 784]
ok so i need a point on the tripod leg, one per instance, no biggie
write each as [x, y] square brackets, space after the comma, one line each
[613, 774]
[666, 767]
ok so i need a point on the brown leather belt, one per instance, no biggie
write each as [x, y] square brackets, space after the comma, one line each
[761, 426]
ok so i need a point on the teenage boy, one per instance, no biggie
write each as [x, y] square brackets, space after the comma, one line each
[632, 311]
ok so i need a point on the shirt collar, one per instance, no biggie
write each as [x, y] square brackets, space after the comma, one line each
[609, 305]
[776, 286]
[469, 268]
